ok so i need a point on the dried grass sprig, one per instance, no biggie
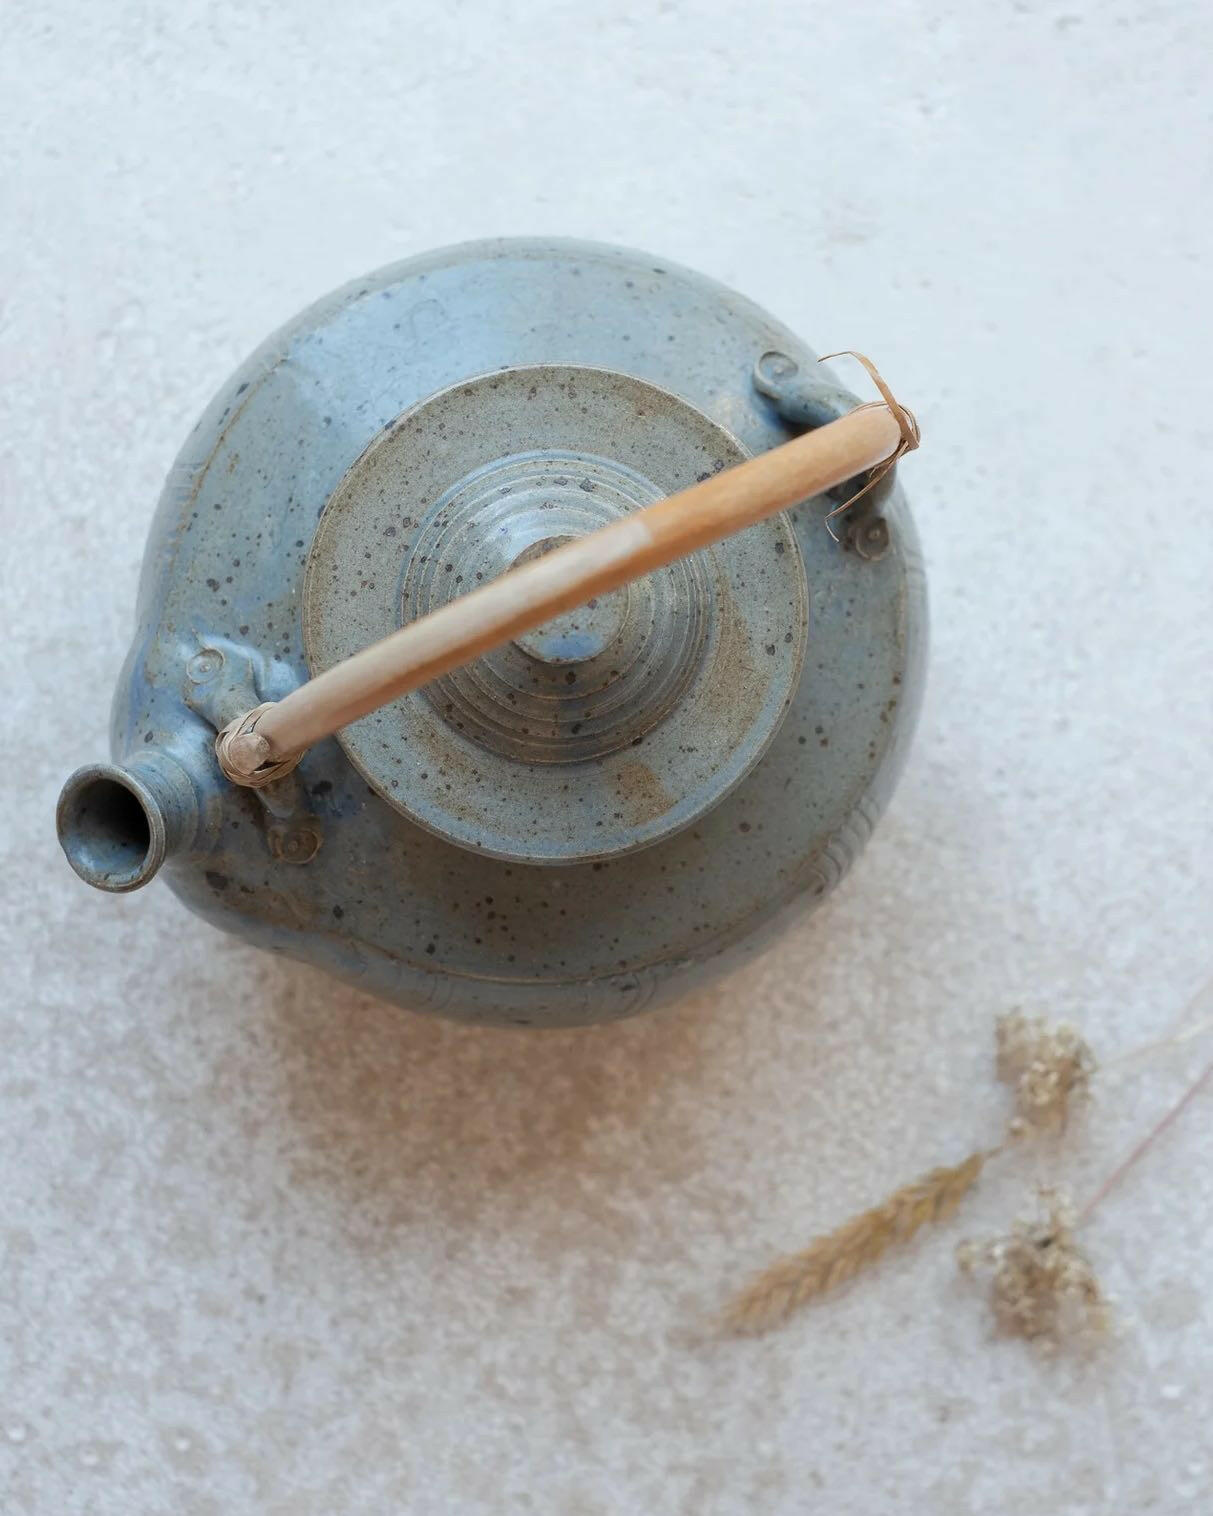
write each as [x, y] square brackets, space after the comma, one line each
[1043, 1286]
[832, 1260]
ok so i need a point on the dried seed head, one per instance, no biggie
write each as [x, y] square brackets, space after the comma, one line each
[837, 1257]
[1048, 1066]
[1042, 1285]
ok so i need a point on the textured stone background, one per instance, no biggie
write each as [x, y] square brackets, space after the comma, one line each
[271, 1247]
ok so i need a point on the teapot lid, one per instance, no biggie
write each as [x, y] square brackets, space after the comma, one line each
[610, 727]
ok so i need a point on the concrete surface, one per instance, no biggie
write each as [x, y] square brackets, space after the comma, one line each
[270, 1247]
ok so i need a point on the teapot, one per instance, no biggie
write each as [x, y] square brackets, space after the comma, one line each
[595, 808]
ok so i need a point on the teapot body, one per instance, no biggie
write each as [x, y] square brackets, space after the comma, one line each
[327, 866]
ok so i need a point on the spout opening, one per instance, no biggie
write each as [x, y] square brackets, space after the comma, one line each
[111, 828]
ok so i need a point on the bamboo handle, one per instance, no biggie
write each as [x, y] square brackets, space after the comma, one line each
[263, 744]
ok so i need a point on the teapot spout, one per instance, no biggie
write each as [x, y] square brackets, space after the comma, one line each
[117, 825]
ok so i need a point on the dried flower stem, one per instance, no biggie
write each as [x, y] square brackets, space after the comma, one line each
[1122, 1168]
[1163, 1044]
[1175, 1038]
[1043, 1286]
[831, 1260]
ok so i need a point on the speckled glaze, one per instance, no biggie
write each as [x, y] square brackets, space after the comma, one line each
[381, 889]
[611, 727]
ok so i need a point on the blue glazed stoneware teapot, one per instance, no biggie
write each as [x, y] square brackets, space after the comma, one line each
[584, 819]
